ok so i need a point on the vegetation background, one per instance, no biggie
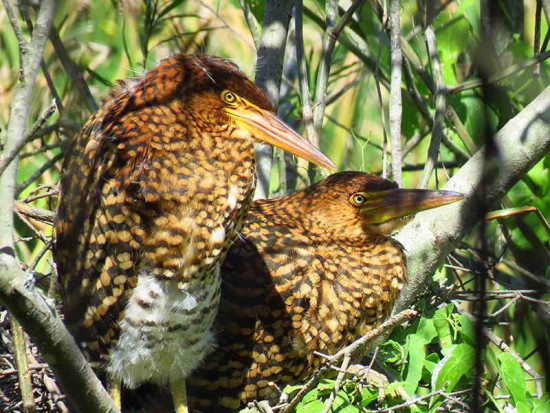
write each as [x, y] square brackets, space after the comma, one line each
[468, 67]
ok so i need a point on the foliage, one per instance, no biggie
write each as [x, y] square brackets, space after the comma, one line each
[432, 358]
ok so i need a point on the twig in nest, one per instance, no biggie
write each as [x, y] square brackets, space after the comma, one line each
[349, 350]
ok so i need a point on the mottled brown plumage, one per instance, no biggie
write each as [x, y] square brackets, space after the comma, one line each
[154, 189]
[312, 272]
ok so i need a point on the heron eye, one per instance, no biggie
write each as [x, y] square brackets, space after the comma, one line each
[358, 199]
[229, 97]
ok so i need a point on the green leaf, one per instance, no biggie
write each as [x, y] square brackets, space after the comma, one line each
[451, 368]
[441, 324]
[415, 345]
[467, 330]
[316, 406]
[368, 396]
[514, 378]
[471, 11]
[426, 329]
[310, 396]
[541, 405]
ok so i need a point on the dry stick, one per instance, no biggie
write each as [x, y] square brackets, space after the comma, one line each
[396, 105]
[337, 383]
[387, 325]
[424, 397]
[499, 76]
[497, 341]
[440, 103]
[38, 366]
[23, 372]
[37, 125]
[22, 42]
[39, 214]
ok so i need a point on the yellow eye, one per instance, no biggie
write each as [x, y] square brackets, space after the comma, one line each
[358, 199]
[229, 97]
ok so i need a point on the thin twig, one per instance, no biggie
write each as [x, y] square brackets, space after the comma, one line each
[360, 342]
[410, 55]
[339, 93]
[332, 32]
[375, 332]
[337, 383]
[21, 41]
[396, 105]
[421, 398]
[408, 167]
[536, 42]
[74, 71]
[39, 366]
[251, 23]
[229, 26]
[269, 68]
[37, 125]
[38, 173]
[440, 103]
[497, 341]
[382, 113]
[303, 77]
[499, 76]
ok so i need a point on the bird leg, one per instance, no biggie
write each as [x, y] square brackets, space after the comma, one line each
[179, 395]
[114, 386]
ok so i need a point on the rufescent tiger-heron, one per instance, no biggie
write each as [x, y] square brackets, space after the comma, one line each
[154, 189]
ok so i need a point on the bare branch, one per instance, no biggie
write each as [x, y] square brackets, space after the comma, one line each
[23, 372]
[22, 42]
[251, 22]
[440, 103]
[57, 346]
[349, 350]
[37, 125]
[16, 290]
[303, 77]
[521, 143]
[497, 341]
[396, 106]
[73, 71]
[499, 76]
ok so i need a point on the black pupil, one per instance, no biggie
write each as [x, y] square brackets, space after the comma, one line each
[229, 97]
[359, 199]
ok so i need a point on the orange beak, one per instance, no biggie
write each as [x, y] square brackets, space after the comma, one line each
[268, 127]
[383, 206]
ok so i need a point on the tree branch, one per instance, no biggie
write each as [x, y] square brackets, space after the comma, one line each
[16, 290]
[521, 143]
[440, 103]
[396, 106]
[269, 68]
